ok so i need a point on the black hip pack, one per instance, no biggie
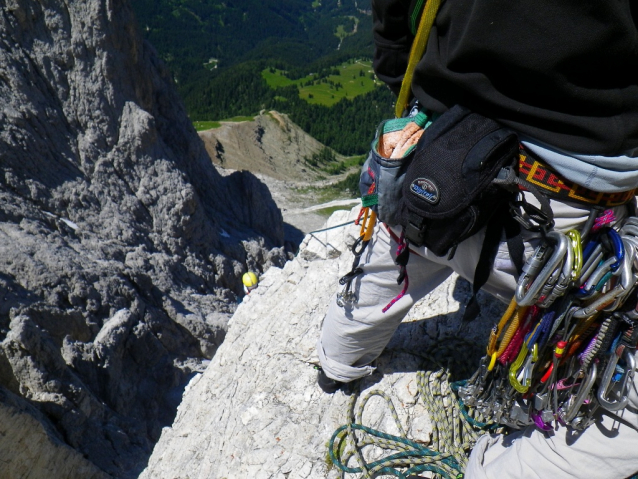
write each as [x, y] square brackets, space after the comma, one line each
[448, 192]
[383, 173]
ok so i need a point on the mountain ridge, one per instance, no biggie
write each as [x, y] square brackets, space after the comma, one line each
[271, 145]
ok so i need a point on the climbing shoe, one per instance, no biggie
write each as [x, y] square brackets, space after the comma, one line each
[327, 384]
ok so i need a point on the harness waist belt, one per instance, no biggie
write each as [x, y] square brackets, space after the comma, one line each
[552, 184]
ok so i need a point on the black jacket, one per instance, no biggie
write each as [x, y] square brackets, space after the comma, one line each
[562, 72]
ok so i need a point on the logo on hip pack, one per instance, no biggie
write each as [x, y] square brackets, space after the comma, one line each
[425, 189]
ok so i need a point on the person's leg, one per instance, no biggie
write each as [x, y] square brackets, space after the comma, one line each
[605, 450]
[351, 338]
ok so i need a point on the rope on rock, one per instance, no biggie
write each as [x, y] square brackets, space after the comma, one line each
[455, 428]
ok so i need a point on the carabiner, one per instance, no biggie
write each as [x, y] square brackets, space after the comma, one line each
[619, 248]
[631, 220]
[530, 283]
[578, 400]
[540, 422]
[604, 388]
[552, 281]
[590, 266]
[594, 279]
[614, 298]
[562, 284]
[627, 276]
[472, 390]
[350, 276]
[368, 223]
[521, 382]
[629, 227]
[597, 279]
[601, 303]
[359, 246]
[577, 250]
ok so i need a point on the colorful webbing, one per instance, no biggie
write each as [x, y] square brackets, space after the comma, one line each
[515, 344]
[514, 314]
[554, 185]
[402, 247]
[606, 218]
[416, 52]
[369, 200]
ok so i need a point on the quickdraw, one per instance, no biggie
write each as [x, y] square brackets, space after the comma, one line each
[367, 219]
[566, 344]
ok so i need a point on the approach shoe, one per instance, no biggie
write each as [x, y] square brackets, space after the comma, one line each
[328, 385]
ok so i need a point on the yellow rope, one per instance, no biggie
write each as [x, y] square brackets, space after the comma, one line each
[416, 52]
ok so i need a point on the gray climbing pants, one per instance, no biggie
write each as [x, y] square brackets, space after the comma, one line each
[351, 338]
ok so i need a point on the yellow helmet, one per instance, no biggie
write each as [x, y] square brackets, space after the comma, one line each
[249, 279]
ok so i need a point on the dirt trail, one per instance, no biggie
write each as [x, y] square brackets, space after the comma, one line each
[300, 207]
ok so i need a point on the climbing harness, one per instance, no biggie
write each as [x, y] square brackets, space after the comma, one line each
[455, 428]
[565, 347]
[534, 171]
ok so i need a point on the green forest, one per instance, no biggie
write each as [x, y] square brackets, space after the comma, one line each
[310, 60]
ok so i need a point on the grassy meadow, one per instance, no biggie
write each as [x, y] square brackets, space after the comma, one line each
[353, 79]
[209, 125]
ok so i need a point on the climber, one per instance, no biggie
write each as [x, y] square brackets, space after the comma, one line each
[250, 280]
[557, 73]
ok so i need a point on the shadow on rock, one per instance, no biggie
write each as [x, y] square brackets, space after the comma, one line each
[293, 237]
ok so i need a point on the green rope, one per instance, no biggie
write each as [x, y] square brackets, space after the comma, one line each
[455, 430]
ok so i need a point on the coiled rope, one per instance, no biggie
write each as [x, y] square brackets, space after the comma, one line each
[455, 429]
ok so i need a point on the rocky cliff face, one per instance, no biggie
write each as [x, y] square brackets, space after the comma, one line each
[121, 247]
[257, 412]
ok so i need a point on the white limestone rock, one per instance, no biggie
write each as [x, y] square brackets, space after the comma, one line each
[257, 412]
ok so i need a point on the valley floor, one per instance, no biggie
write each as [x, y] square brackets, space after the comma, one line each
[302, 207]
